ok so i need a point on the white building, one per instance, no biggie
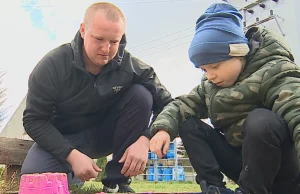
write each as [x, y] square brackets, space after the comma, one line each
[14, 127]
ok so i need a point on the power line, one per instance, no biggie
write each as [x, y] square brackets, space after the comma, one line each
[161, 37]
[124, 2]
[138, 51]
[164, 49]
[148, 1]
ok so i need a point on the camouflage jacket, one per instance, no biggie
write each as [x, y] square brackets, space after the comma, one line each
[269, 80]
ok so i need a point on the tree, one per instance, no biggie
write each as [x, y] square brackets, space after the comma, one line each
[2, 99]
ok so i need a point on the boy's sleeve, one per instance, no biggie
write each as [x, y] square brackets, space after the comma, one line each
[179, 110]
[280, 92]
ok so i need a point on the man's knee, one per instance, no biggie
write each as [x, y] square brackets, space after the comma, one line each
[141, 96]
[261, 123]
[40, 161]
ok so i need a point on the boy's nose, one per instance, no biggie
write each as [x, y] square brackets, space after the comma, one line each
[210, 76]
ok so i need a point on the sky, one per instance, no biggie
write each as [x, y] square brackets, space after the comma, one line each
[158, 32]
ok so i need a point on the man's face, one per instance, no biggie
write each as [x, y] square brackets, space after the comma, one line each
[224, 73]
[101, 38]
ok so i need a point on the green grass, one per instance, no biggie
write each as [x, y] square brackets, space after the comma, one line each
[93, 187]
[143, 186]
[165, 186]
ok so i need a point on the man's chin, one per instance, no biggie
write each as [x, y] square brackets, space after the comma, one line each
[102, 62]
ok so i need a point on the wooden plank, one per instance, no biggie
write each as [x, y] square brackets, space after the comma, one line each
[13, 151]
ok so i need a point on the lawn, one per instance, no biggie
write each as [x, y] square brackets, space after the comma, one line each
[92, 187]
[144, 186]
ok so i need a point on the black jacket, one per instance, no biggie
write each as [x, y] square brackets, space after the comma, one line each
[64, 98]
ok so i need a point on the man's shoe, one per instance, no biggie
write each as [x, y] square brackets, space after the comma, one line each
[238, 191]
[211, 189]
[122, 187]
[117, 188]
[125, 188]
[111, 188]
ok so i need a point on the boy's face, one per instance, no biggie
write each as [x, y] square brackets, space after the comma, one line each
[225, 73]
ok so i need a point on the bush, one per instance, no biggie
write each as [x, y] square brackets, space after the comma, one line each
[101, 162]
[2, 169]
[10, 185]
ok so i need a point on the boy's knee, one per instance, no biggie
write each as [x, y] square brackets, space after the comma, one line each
[263, 122]
[194, 125]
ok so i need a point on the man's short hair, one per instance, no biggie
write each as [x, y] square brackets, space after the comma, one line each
[111, 12]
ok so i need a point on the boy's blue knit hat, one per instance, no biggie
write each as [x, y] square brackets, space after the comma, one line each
[219, 36]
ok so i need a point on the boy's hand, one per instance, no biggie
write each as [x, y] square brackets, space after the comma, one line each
[83, 166]
[159, 143]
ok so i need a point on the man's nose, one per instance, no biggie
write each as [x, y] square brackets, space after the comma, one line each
[106, 47]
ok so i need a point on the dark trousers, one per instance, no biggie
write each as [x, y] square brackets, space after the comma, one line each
[266, 163]
[123, 126]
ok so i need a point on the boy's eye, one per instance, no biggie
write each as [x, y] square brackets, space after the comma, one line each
[203, 69]
[215, 66]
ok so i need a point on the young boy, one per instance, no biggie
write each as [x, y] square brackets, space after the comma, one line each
[250, 92]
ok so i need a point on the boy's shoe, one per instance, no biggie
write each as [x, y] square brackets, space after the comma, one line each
[211, 189]
[219, 190]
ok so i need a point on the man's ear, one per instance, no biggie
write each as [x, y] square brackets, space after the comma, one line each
[82, 30]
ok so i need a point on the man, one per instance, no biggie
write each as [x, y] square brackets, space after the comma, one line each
[91, 98]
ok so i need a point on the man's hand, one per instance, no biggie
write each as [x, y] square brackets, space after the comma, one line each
[83, 166]
[135, 157]
[160, 143]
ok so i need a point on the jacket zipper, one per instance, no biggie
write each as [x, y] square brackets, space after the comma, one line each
[210, 104]
[94, 80]
[95, 87]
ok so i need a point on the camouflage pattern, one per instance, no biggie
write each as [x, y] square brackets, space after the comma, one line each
[269, 80]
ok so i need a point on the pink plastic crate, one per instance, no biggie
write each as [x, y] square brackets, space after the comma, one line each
[46, 183]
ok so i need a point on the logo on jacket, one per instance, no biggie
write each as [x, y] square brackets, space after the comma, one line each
[117, 89]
